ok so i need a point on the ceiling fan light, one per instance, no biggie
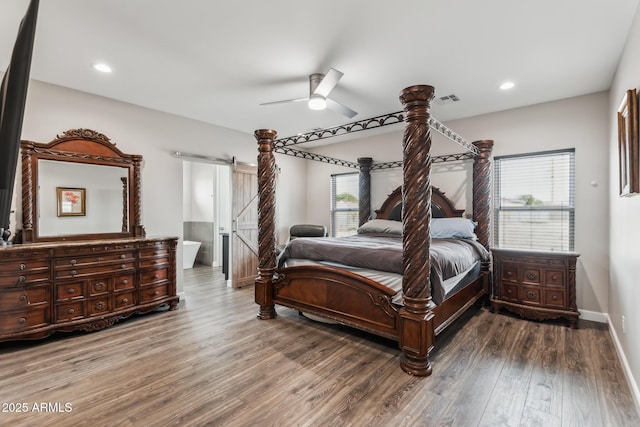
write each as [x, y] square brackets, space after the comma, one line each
[317, 102]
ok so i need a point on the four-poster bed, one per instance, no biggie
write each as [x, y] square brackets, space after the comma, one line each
[358, 301]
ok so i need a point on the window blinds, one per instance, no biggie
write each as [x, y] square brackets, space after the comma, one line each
[534, 203]
[345, 204]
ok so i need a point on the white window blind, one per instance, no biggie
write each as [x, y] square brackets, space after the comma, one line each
[534, 204]
[344, 204]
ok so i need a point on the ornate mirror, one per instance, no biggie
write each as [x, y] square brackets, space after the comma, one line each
[79, 187]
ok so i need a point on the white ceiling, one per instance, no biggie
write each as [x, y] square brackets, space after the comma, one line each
[215, 61]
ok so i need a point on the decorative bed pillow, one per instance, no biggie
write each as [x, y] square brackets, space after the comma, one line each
[448, 228]
[381, 226]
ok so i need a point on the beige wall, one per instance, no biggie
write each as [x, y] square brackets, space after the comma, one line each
[624, 225]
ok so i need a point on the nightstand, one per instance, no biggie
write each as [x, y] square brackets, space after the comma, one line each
[536, 285]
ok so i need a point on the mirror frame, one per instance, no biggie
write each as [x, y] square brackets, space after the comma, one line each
[80, 146]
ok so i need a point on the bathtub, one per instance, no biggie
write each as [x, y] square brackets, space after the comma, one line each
[189, 252]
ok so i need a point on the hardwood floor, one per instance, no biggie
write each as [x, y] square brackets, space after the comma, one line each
[212, 362]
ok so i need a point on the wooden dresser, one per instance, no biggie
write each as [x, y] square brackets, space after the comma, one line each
[83, 285]
[536, 285]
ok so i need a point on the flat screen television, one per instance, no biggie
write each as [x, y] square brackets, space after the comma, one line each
[13, 95]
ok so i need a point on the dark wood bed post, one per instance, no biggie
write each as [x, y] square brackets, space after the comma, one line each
[416, 334]
[482, 201]
[364, 189]
[266, 223]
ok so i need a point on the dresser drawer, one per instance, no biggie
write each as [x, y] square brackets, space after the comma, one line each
[69, 311]
[123, 300]
[78, 261]
[93, 249]
[98, 306]
[23, 298]
[70, 290]
[23, 265]
[152, 262]
[13, 321]
[154, 292]
[23, 278]
[87, 270]
[156, 249]
[124, 282]
[152, 276]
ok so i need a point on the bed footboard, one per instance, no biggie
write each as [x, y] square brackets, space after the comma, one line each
[340, 295]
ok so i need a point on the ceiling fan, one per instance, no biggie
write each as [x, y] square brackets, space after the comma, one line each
[320, 86]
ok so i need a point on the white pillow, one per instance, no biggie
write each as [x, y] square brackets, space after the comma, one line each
[381, 226]
[456, 228]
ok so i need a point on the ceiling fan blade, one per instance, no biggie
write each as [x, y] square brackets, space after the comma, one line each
[284, 101]
[339, 108]
[327, 84]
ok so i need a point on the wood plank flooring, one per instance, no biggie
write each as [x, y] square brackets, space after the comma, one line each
[212, 362]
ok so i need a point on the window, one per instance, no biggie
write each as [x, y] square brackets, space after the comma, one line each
[534, 204]
[344, 204]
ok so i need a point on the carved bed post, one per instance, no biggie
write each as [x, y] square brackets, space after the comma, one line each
[416, 335]
[266, 223]
[364, 190]
[482, 202]
[482, 191]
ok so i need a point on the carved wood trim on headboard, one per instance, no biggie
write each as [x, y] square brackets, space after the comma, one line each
[441, 206]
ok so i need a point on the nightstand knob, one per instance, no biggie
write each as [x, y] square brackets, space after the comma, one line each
[125, 282]
[22, 320]
[71, 311]
[509, 273]
[22, 266]
[555, 297]
[554, 277]
[71, 291]
[23, 297]
[125, 300]
[509, 291]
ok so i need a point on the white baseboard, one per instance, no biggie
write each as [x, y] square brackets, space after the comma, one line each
[635, 392]
[594, 316]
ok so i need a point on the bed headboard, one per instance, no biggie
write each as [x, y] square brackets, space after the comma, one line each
[441, 206]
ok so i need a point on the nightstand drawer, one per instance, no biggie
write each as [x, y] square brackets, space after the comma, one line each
[531, 276]
[554, 298]
[509, 291]
[554, 278]
[509, 272]
[530, 295]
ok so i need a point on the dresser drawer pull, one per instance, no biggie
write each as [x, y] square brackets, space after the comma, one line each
[71, 291]
[22, 266]
[73, 262]
[100, 286]
[23, 297]
[99, 305]
[509, 291]
[22, 320]
[100, 258]
[123, 256]
[22, 279]
[554, 297]
[531, 295]
[155, 276]
[125, 282]
[123, 266]
[71, 311]
[509, 273]
[532, 276]
[125, 300]
[554, 277]
[156, 293]
[73, 272]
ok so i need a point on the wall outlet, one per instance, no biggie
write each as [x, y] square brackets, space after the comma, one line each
[624, 329]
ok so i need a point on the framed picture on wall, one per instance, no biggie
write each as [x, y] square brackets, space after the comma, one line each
[71, 201]
[628, 143]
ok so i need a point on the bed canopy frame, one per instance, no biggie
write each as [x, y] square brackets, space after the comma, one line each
[416, 323]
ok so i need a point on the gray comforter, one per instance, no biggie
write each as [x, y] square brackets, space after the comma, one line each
[449, 257]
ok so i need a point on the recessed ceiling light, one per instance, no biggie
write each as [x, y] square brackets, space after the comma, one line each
[103, 68]
[507, 85]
